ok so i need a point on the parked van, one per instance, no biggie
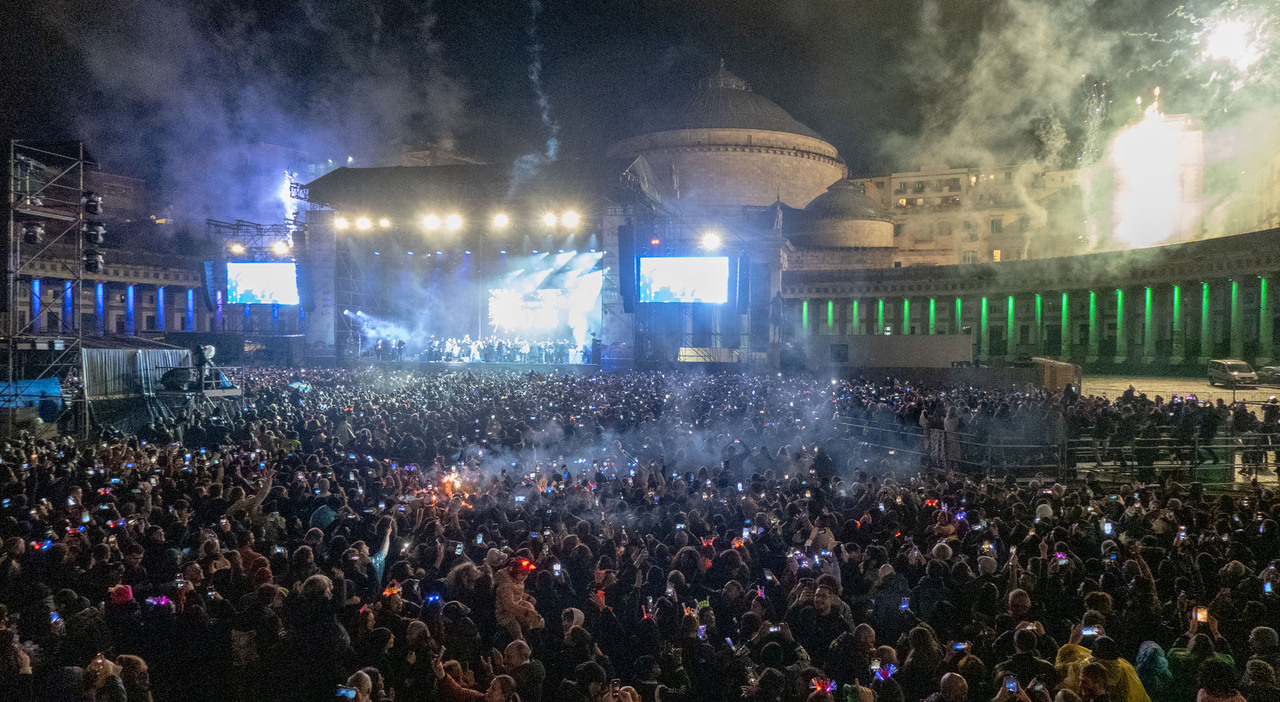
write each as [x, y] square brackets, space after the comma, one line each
[1231, 373]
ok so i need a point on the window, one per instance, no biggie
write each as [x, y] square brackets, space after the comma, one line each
[997, 225]
[969, 257]
[919, 186]
[953, 185]
[149, 323]
[54, 325]
[902, 187]
[897, 264]
[944, 229]
[995, 255]
[120, 324]
[897, 229]
[902, 202]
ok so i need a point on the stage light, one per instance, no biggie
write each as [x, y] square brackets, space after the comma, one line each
[453, 221]
[549, 219]
[431, 222]
[570, 219]
[341, 223]
[503, 252]
[363, 223]
[280, 247]
[467, 253]
[237, 248]
[409, 253]
[710, 241]
[346, 311]
[500, 221]
[655, 241]
[384, 223]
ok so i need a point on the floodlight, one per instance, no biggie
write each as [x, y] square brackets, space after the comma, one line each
[431, 222]
[570, 219]
[710, 241]
[501, 221]
[549, 219]
[341, 223]
[282, 247]
[453, 222]
[363, 223]
[384, 223]
[237, 248]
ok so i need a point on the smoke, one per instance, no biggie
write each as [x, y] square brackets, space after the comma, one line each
[211, 103]
[528, 165]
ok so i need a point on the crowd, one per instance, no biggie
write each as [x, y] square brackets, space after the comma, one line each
[631, 537]
[504, 350]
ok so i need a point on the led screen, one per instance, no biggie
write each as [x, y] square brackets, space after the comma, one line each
[684, 279]
[528, 311]
[262, 283]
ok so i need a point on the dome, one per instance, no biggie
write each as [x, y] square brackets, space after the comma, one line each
[725, 101]
[845, 199]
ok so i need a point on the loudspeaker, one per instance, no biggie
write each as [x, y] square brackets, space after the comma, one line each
[743, 270]
[215, 278]
[627, 266]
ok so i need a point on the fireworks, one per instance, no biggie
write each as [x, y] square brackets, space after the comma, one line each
[1235, 41]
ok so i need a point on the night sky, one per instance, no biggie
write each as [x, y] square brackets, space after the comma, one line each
[162, 90]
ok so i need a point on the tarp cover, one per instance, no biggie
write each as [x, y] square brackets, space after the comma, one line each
[119, 373]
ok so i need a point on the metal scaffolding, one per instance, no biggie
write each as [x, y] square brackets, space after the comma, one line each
[53, 221]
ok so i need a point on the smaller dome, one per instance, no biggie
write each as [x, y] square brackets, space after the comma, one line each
[845, 199]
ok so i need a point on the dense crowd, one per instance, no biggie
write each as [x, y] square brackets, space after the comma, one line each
[618, 538]
[493, 349]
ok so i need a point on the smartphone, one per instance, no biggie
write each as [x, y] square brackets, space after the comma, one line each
[961, 646]
[556, 569]
[906, 604]
[680, 526]
[1202, 614]
[457, 550]
[520, 498]
[1266, 587]
[1089, 631]
[1107, 528]
[346, 692]
[776, 629]
[53, 617]
[746, 533]
[702, 631]
[1011, 684]
[479, 539]
[875, 665]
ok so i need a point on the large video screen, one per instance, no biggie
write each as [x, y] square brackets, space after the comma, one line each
[684, 279]
[528, 311]
[262, 283]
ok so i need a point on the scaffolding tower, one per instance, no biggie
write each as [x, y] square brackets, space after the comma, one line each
[55, 232]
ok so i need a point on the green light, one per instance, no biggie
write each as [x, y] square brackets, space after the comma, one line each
[1065, 339]
[1237, 322]
[933, 316]
[831, 313]
[1122, 338]
[906, 315]
[983, 338]
[959, 317]
[804, 315]
[857, 326]
[880, 315]
[1205, 305]
[1094, 332]
[1009, 336]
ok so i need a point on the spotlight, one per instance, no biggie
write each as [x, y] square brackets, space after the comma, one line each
[570, 219]
[346, 311]
[280, 247]
[453, 222]
[33, 233]
[341, 223]
[94, 233]
[655, 241]
[500, 221]
[710, 241]
[431, 222]
[467, 253]
[363, 223]
[384, 223]
[237, 248]
[549, 219]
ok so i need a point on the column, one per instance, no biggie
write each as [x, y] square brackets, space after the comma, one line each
[1206, 340]
[1179, 344]
[1122, 336]
[129, 327]
[855, 327]
[831, 316]
[984, 339]
[880, 315]
[99, 309]
[1066, 338]
[1237, 322]
[1094, 338]
[69, 307]
[160, 308]
[191, 310]
[933, 315]
[715, 319]
[1148, 330]
[1266, 331]
[1037, 329]
[1010, 336]
[804, 316]
[35, 326]
[906, 315]
[959, 316]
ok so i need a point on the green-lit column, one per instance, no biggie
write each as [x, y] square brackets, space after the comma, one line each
[1148, 329]
[1206, 342]
[857, 323]
[984, 340]
[933, 315]
[804, 316]
[1094, 337]
[1065, 339]
[831, 316]
[959, 316]
[1266, 330]
[1237, 322]
[880, 315]
[1010, 336]
[1037, 329]
[1122, 334]
[906, 315]
[1179, 344]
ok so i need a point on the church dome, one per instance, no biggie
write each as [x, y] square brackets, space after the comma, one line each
[845, 199]
[725, 101]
